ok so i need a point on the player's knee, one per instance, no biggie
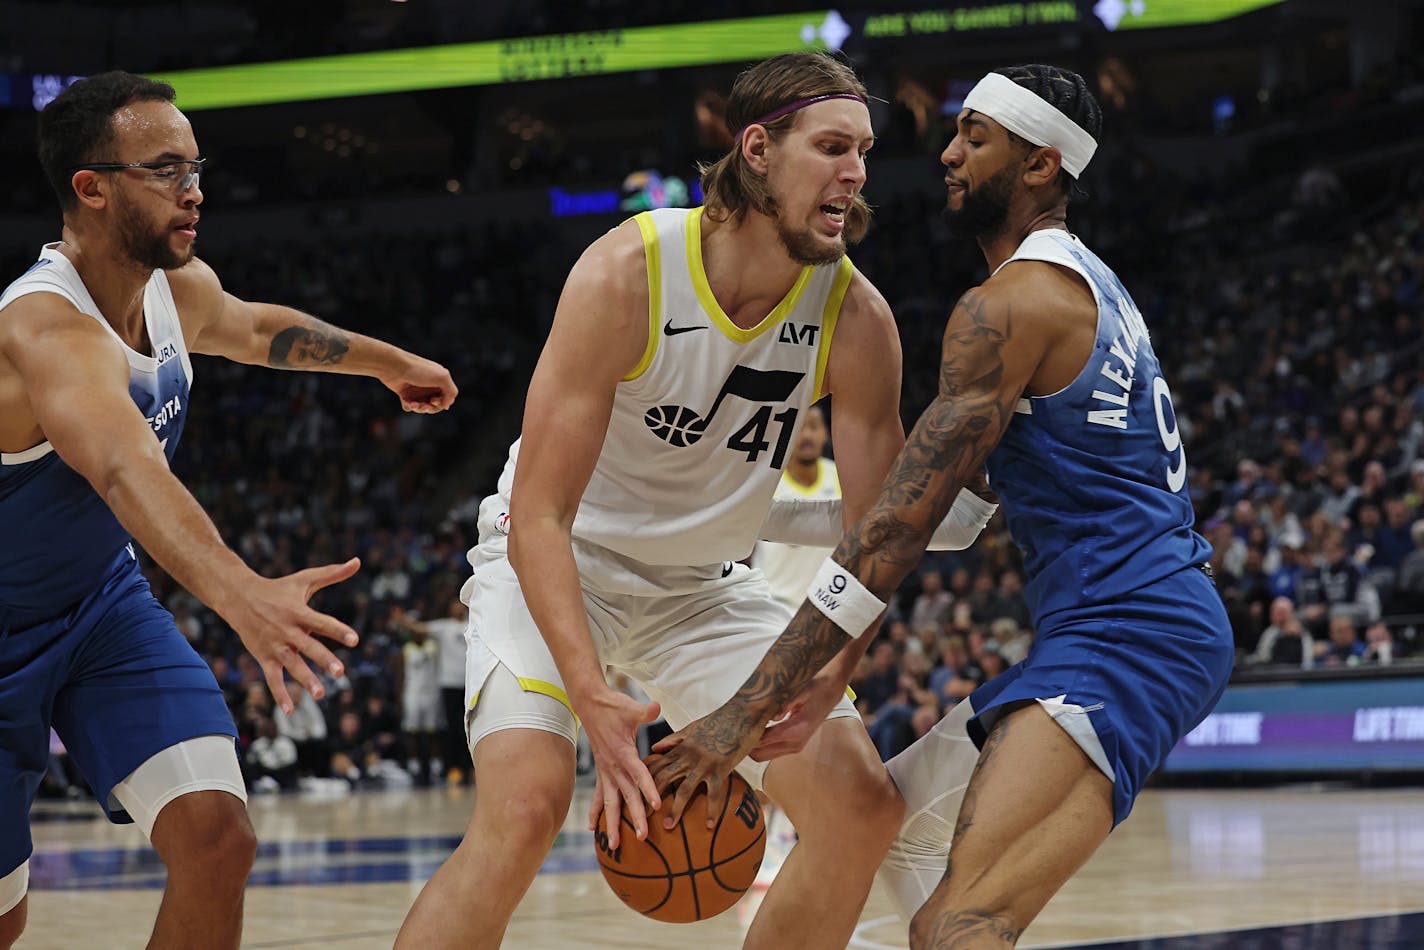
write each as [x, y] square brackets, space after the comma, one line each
[231, 847]
[528, 819]
[212, 839]
[869, 803]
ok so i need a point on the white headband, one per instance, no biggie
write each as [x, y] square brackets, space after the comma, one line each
[1029, 116]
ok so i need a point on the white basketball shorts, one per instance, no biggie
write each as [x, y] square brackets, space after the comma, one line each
[690, 636]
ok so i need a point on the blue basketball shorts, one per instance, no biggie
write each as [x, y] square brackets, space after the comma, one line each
[115, 679]
[1126, 680]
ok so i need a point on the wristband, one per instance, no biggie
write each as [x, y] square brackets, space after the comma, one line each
[845, 601]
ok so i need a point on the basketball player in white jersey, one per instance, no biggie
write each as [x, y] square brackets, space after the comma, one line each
[809, 474]
[420, 698]
[686, 349]
[94, 383]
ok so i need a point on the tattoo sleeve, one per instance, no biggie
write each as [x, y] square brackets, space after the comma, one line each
[307, 347]
[944, 452]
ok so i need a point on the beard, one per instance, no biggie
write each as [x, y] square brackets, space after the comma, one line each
[147, 247]
[804, 248]
[985, 209]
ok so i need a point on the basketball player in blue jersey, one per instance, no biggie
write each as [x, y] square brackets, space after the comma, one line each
[685, 347]
[1048, 375]
[94, 381]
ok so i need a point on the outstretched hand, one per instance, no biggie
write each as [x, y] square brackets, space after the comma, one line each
[702, 754]
[423, 386]
[280, 629]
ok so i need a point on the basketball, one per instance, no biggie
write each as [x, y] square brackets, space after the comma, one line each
[689, 873]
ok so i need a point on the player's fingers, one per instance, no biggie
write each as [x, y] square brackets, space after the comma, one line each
[612, 813]
[714, 795]
[663, 770]
[316, 651]
[647, 786]
[272, 672]
[327, 626]
[650, 712]
[595, 807]
[680, 798]
[318, 577]
[668, 743]
[296, 665]
[633, 805]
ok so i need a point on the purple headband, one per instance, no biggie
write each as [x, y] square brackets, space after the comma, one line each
[798, 104]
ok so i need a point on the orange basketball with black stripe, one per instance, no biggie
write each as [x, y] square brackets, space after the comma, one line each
[690, 872]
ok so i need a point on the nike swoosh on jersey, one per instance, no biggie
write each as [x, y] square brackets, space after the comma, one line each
[670, 330]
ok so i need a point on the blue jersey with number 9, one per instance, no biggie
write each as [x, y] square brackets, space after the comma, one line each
[1093, 478]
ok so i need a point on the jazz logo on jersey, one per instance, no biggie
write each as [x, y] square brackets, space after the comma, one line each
[681, 426]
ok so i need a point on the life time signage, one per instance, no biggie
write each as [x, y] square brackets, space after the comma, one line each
[1311, 726]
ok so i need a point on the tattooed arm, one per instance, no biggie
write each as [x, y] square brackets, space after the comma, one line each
[218, 324]
[992, 347]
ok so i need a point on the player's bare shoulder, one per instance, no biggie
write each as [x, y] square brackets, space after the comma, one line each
[42, 334]
[32, 325]
[1048, 316]
[197, 295]
[1040, 292]
[865, 330]
[611, 277]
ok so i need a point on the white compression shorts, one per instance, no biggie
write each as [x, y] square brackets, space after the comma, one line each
[13, 887]
[207, 763]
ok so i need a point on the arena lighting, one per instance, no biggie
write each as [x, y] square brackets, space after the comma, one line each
[1138, 14]
[669, 46]
[614, 51]
[500, 61]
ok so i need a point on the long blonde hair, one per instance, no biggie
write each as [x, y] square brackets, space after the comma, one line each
[729, 186]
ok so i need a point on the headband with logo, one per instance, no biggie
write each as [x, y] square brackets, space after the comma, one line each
[1029, 116]
[793, 107]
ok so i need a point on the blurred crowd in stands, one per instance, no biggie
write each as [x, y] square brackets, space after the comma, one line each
[1285, 309]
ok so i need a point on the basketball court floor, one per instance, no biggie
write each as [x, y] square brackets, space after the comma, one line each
[1296, 869]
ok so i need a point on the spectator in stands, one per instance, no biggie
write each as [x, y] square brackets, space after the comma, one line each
[1286, 642]
[1011, 638]
[1011, 603]
[305, 726]
[932, 607]
[352, 753]
[271, 759]
[891, 730]
[1393, 542]
[1285, 579]
[1337, 586]
[1409, 586]
[1380, 646]
[883, 678]
[1344, 647]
